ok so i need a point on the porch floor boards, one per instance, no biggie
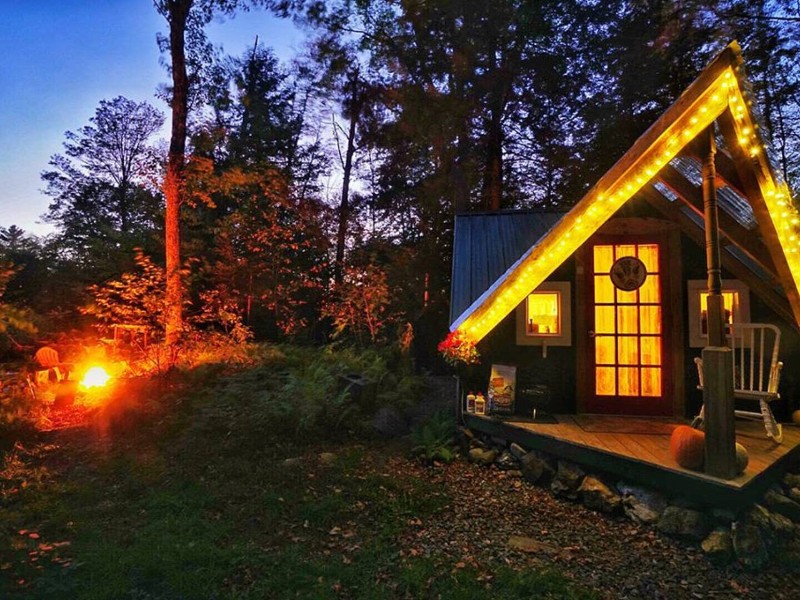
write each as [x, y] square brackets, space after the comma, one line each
[645, 457]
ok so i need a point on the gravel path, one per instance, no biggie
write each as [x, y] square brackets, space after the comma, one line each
[614, 557]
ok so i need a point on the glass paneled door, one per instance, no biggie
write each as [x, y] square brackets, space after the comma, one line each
[630, 374]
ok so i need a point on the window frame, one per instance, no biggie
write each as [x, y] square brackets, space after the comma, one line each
[696, 288]
[563, 290]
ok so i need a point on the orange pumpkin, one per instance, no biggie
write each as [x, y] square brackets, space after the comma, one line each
[742, 458]
[688, 446]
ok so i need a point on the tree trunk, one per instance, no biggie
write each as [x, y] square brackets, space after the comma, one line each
[344, 204]
[173, 182]
[493, 175]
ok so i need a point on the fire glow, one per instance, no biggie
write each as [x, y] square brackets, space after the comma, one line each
[95, 377]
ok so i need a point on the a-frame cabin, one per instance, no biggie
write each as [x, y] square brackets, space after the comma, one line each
[539, 290]
[650, 205]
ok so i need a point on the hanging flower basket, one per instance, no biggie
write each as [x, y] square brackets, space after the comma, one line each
[456, 349]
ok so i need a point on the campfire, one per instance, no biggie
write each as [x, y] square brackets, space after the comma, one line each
[95, 377]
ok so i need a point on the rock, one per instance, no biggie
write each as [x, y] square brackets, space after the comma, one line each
[598, 496]
[751, 552]
[498, 441]
[530, 545]
[722, 515]
[476, 443]
[466, 432]
[782, 526]
[482, 456]
[718, 547]
[293, 462]
[641, 505]
[506, 461]
[390, 422]
[514, 474]
[517, 450]
[683, 522]
[758, 516]
[535, 468]
[327, 458]
[791, 480]
[789, 556]
[567, 480]
[780, 504]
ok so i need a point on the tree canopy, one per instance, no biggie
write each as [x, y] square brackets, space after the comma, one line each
[285, 182]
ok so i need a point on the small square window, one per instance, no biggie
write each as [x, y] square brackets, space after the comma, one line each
[736, 299]
[544, 317]
[543, 313]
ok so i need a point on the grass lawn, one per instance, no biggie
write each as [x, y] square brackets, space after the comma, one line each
[181, 491]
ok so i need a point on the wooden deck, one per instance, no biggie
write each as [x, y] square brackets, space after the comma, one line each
[627, 449]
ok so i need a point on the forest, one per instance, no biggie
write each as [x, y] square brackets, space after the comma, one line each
[312, 200]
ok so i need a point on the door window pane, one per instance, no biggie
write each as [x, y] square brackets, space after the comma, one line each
[648, 254]
[628, 381]
[605, 381]
[651, 382]
[603, 258]
[604, 349]
[628, 350]
[603, 289]
[604, 319]
[625, 250]
[650, 319]
[650, 350]
[650, 292]
[628, 319]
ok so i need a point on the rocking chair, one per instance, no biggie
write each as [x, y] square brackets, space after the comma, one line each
[756, 372]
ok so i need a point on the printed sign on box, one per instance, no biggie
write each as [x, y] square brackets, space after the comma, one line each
[502, 388]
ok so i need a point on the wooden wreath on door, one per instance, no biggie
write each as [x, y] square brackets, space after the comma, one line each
[628, 273]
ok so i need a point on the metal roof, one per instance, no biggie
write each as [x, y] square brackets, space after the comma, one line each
[485, 245]
[728, 199]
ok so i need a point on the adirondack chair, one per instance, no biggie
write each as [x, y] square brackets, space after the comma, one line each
[756, 372]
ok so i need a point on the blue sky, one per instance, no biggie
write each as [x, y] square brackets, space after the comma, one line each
[61, 57]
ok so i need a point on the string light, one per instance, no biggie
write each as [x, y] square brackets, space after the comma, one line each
[594, 209]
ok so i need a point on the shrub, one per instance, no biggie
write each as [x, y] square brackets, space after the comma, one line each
[434, 440]
[16, 399]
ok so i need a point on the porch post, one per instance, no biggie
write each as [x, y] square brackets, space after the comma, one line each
[717, 359]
